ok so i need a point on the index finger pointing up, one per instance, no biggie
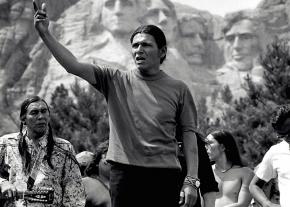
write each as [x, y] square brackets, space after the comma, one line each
[35, 6]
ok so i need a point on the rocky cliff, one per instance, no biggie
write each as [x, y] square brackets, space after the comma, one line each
[196, 49]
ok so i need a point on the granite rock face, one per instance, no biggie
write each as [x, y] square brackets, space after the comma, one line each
[201, 46]
[17, 39]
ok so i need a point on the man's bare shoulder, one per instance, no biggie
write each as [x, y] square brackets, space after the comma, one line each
[238, 170]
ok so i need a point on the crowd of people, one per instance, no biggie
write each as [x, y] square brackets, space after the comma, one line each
[155, 155]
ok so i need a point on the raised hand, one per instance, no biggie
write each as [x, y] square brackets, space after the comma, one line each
[41, 21]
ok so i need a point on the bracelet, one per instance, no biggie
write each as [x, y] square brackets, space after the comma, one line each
[191, 181]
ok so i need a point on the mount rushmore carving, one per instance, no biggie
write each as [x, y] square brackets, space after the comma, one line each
[204, 50]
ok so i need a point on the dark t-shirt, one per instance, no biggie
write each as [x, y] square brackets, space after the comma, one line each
[144, 112]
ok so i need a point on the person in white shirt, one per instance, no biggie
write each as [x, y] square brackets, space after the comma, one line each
[275, 163]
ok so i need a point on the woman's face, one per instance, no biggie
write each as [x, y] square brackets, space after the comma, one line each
[213, 148]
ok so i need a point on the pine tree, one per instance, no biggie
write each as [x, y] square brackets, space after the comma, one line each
[249, 118]
[81, 118]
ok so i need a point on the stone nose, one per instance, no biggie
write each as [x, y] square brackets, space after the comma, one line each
[237, 42]
[162, 18]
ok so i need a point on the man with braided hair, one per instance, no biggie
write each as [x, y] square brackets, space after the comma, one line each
[33, 159]
[275, 163]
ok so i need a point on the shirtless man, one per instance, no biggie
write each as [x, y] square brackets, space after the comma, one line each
[233, 178]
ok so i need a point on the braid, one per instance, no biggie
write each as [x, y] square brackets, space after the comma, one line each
[20, 144]
[23, 150]
[50, 145]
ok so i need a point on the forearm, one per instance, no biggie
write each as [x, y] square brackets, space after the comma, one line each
[67, 59]
[191, 153]
[209, 199]
[61, 54]
[259, 195]
[189, 189]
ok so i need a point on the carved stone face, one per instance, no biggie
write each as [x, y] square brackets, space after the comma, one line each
[161, 15]
[16, 10]
[120, 16]
[192, 41]
[241, 43]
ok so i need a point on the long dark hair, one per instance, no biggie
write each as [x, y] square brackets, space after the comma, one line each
[231, 148]
[22, 146]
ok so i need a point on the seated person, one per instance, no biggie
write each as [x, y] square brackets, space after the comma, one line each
[232, 177]
[33, 159]
[95, 171]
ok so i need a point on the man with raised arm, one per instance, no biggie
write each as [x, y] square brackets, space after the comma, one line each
[145, 105]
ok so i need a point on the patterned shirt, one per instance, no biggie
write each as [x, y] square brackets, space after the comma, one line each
[64, 178]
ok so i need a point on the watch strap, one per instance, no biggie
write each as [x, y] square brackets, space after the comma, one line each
[192, 181]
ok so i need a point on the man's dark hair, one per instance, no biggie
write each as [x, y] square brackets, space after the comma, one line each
[22, 146]
[280, 116]
[231, 149]
[156, 32]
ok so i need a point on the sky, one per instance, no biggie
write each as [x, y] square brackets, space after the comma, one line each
[221, 7]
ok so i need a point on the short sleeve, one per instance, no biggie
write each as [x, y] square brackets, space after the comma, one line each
[187, 112]
[265, 169]
[103, 76]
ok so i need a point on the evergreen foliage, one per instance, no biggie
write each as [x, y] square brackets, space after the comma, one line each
[249, 118]
[81, 118]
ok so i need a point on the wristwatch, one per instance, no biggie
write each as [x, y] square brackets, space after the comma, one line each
[197, 183]
[191, 181]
